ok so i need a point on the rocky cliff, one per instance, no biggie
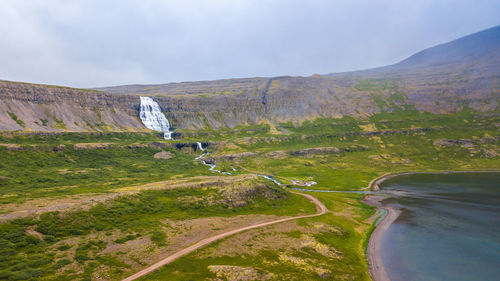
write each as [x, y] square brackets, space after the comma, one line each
[464, 73]
[33, 107]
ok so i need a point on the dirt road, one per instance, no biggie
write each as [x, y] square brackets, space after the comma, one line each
[320, 207]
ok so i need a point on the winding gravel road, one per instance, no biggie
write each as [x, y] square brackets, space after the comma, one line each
[320, 207]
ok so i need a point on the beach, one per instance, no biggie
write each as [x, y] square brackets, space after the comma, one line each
[373, 252]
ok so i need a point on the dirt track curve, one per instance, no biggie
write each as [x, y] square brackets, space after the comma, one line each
[321, 210]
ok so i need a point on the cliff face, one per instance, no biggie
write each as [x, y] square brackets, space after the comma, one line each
[279, 99]
[446, 78]
[48, 108]
[296, 99]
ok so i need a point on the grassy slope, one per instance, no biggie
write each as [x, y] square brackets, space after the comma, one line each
[43, 172]
[69, 246]
[347, 234]
[387, 142]
[395, 142]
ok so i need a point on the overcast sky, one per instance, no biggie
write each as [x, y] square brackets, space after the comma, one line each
[92, 43]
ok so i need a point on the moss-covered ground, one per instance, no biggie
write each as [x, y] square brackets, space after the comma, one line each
[79, 244]
[329, 247]
[362, 149]
[100, 241]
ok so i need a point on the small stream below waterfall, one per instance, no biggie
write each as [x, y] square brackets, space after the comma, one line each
[336, 191]
[213, 166]
[271, 178]
[153, 118]
[274, 180]
[209, 164]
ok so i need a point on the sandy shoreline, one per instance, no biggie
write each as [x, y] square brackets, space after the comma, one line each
[373, 252]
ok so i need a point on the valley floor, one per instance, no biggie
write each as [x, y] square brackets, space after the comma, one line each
[106, 206]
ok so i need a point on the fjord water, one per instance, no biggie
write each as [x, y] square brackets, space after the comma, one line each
[449, 228]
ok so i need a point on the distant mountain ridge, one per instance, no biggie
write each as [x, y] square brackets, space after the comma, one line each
[476, 47]
[445, 78]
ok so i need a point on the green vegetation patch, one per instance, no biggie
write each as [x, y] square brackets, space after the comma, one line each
[328, 247]
[18, 121]
[65, 171]
[139, 215]
[348, 153]
[344, 153]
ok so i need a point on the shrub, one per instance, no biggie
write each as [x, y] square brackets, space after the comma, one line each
[14, 117]
[158, 237]
[61, 263]
[126, 238]
[63, 247]
[39, 260]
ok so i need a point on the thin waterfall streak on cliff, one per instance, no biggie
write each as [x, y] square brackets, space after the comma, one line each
[152, 117]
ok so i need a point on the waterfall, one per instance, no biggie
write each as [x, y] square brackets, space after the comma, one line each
[152, 117]
[209, 164]
[200, 146]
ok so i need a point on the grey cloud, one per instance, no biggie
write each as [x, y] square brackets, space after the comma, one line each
[100, 43]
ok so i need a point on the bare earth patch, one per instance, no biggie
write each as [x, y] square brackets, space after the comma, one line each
[97, 145]
[238, 273]
[141, 251]
[163, 155]
[276, 238]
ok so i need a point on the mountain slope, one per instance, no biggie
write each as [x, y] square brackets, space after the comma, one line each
[446, 78]
[476, 48]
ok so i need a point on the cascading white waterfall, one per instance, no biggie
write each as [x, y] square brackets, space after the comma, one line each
[152, 117]
[200, 146]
